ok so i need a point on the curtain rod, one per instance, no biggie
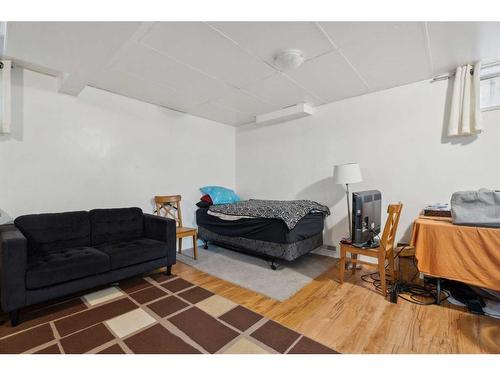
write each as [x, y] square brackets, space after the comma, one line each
[444, 77]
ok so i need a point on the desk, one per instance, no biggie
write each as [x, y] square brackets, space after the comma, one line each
[462, 253]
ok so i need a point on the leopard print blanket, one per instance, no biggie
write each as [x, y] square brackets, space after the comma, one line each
[288, 211]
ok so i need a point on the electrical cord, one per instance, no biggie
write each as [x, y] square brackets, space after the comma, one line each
[417, 294]
[414, 293]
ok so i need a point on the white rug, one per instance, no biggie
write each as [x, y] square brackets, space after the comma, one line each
[255, 273]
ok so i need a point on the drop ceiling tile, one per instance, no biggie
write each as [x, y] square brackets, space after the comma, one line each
[245, 103]
[386, 54]
[67, 46]
[202, 47]
[151, 92]
[458, 43]
[264, 39]
[216, 112]
[281, 91]
[329, 77]
[153, 66]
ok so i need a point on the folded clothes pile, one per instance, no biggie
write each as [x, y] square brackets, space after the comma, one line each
[205, 201]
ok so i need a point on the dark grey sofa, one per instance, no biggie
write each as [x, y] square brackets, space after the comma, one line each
[45, 256]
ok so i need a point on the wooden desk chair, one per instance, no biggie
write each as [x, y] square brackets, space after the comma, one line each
[383, 252]
[170, 206]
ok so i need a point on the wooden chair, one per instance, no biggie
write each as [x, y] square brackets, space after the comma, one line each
[384, 251]
[170, 206]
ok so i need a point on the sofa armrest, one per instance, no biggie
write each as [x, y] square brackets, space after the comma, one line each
[162, 229]
[13, 263]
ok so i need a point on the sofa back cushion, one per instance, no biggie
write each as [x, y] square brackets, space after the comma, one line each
[49, 233]
[115, 224]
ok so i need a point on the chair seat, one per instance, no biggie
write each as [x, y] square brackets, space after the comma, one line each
[65, 265]
[372, 252]
[185, 231]
[127, 253]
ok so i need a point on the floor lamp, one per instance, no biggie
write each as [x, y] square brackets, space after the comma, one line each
[347, 174]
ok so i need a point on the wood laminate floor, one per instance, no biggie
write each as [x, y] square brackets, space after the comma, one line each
[353, 318]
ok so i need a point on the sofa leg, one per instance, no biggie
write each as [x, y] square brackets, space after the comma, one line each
[14, 318]
[168, 272]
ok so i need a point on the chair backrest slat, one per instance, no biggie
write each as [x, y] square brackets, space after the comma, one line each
[169, 206]
[391, 226]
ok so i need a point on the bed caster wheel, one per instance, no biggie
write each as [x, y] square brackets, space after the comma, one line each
[273, 267]
[205, 245]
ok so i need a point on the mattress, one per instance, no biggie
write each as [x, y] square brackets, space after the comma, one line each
[262, 229]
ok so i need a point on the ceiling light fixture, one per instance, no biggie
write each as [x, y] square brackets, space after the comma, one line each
[288, 59]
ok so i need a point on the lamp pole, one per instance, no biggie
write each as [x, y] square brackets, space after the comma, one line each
[348, 210]
[346, 174]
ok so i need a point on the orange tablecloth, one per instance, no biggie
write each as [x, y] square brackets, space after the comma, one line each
[462, 253]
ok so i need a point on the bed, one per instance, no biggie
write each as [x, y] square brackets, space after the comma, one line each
[271, 229]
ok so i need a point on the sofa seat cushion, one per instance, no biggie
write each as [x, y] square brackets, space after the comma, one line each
[65, 265]
[127, 253]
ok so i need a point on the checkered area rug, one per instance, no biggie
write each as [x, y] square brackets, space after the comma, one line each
[155, 314]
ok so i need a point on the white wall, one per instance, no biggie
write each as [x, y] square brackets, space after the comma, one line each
[104, 150]
[395, 135]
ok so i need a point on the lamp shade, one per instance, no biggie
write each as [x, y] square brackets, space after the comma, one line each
[347, 173]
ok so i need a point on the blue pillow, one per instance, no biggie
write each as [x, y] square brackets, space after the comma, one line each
[220, 195]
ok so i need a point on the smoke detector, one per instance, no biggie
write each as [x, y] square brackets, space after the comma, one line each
[289, 59]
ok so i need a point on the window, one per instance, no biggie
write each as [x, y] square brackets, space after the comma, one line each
[490, 87]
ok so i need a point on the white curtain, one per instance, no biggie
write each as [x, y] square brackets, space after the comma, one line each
[465, 113]
[5, 73]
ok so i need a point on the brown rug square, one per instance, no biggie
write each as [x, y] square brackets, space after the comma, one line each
[158, 340]
[26, 340]
[307, 346]
[161, 277]
[86, 340]
[203, 329]
[276, 336]
[195, 295]
[241, 318]
[113, 349]
[177, 285]
[53, 349]
[134, 284]
[167, 306]
[148, 294]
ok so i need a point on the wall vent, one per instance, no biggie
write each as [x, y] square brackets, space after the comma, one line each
[286, 114]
